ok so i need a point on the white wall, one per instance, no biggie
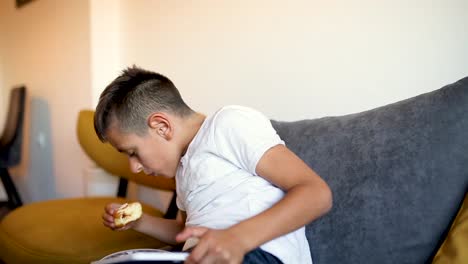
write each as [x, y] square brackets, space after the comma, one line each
[46, 46]
[298, 59]
[106, 52]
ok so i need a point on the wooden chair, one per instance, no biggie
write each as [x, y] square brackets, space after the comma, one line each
[71, 230]
[11, 143]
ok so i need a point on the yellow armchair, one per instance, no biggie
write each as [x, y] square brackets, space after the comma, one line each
[71, 230]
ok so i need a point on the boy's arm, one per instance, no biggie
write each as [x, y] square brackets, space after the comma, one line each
[157, 227]
[160, 228]
[307, 198]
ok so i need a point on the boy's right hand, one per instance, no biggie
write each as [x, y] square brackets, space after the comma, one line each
[108, 218]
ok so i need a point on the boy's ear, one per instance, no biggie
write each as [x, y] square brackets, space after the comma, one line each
[160, 124]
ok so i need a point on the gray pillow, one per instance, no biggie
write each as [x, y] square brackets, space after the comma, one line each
[398, 174]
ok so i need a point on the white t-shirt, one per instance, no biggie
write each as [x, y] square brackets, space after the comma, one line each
[216, 182]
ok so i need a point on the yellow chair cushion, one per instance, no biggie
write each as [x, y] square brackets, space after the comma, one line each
[70, 231]
[454, 250]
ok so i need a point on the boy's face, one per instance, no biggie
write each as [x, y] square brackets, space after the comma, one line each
[153, 153]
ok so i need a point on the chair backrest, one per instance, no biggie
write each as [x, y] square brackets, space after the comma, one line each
[11, 138]
[109, 159]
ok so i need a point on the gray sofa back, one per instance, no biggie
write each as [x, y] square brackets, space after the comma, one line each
[398, 175]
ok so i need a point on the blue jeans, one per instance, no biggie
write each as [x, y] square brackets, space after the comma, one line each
[259, 256]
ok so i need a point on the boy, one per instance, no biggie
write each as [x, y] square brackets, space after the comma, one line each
[242, 193]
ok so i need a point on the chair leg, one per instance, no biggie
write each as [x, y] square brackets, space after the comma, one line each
[123, 186]
[172, 210]
[14, 199]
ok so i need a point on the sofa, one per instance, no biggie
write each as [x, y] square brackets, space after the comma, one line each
[399, 175]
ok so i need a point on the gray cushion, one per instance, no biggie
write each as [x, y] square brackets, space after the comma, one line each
[398, 174]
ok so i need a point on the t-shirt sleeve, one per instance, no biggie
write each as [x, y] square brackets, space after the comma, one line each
[180, 204]
[243, 135]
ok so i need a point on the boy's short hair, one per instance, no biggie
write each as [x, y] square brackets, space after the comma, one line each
[132, 97]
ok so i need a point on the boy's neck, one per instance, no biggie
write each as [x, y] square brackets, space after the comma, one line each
[191, 125]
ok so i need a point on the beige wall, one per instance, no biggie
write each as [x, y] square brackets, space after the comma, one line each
[3, 93]
[2, 97]
[46, 47]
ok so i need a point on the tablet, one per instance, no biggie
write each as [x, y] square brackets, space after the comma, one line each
[143, 256]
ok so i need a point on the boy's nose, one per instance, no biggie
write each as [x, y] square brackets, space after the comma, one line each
[135, 166]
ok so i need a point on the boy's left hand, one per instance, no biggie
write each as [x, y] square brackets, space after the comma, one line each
[214, 246]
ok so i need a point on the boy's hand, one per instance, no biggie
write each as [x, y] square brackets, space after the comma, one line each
[108, 218]
[214, 246]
